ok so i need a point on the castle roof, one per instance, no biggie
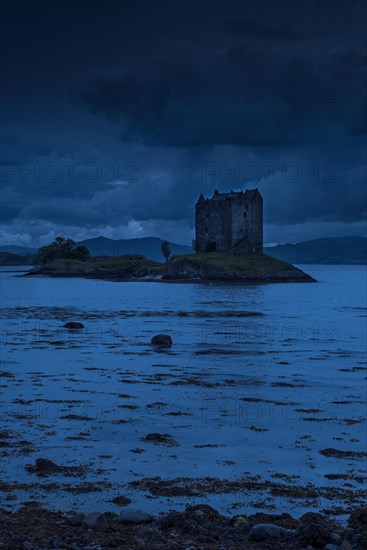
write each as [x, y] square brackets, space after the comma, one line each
[248, 195]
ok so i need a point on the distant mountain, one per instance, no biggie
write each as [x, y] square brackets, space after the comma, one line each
[6, 258]
[333, 250]
[19, 250]
[150, 247]
[337, 250]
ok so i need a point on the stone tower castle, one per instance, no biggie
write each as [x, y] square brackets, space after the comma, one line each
[231, 222]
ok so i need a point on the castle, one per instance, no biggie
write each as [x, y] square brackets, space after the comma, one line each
[231, 222]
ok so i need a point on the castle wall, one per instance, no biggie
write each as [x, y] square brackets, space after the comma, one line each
[256, 227]
[240, 223]
[228, 223]
[200, 222]
[219, 222]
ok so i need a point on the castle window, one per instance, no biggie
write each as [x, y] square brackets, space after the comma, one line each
[244, 214]
[206, 230]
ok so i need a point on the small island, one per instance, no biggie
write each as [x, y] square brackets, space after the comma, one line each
[194, 268]
[228, 248]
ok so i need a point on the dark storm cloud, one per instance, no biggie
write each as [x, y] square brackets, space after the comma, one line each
[182, 98]
[245, 94]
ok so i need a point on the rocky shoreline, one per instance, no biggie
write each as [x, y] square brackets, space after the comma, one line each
[33, 527]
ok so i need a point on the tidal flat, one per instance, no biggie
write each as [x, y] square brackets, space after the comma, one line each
[258, 406]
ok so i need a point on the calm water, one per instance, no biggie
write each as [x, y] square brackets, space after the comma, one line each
[241, 396]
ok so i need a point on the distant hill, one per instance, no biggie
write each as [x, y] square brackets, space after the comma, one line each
[333, 250]
[18, 250]
[150, 247]
[337, 250]
[6, 258]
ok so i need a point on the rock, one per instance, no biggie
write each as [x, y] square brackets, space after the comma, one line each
[335, 538]
[132, 515]
[121, 501]
[331, 547]
[75, 520]
[160, 439]
[263, 531]
[315, 529]
[95, 521]
[358, 518]
[43, 466]
[162, 340]
[73, 325]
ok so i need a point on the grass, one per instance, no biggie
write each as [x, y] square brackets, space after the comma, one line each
[125, 265]
[238, 264]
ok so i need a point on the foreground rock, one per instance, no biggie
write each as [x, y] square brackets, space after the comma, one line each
[45, 467]
[74, 325]
[200, 527]
[263, 531]
[162, 340]
[95, 521]
[132, 515]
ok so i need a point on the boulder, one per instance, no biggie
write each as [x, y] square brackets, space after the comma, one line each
[95, 521]
[73, 325]
[335, 538]
[315, 530]
[162, 340]
[263, 531]
[46, 464]
[75, 520]
[43, 466]
[132, 515]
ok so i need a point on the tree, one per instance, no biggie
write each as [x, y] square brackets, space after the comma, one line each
[62, 249]
[166, 251]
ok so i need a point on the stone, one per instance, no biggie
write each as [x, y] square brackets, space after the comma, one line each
[263, 531]
[95, 521]
[331, 546]
[162, 340]
[121, 501]
[133, 515]
[335, 538]
[44, 466]
[358, 518]
[73, 325]
[315, 529]
[75, 520]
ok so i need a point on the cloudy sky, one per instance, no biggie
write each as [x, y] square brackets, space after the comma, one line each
[116, 115]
